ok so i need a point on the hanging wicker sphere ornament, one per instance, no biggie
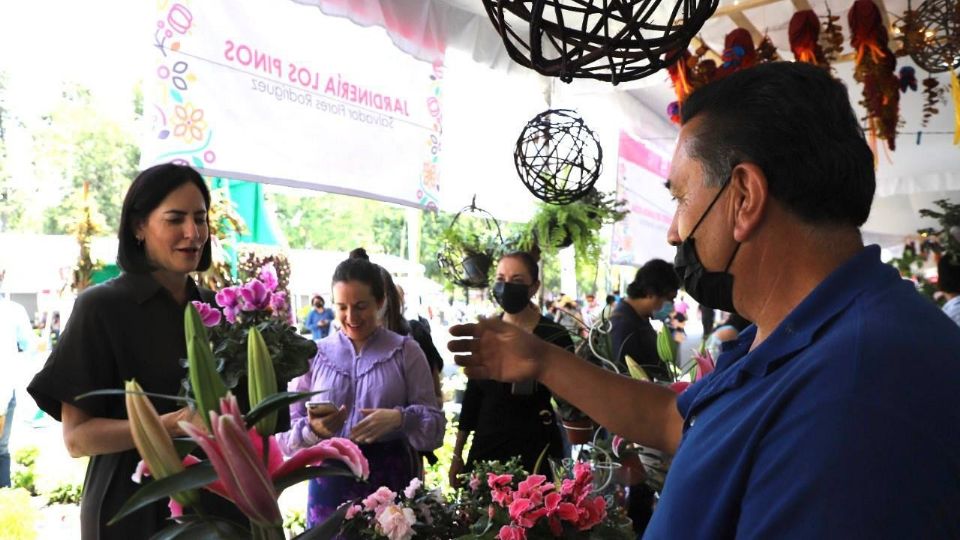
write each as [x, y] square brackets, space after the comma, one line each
[939, 23]
[471, 244]
[612, 40]
[558, 157]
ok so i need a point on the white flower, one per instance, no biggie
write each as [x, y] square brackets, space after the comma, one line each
[411, 489]
[397, 523]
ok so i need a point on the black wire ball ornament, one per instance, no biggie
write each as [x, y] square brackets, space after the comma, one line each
[607, 40]
[939, 21]
[466, 260]
[557, 157]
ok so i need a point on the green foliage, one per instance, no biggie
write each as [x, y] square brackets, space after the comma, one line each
[579, 223]
[436, 475]
[25, 476]
[948, 233]
[76, 144]
[67, 493]
[18, 518]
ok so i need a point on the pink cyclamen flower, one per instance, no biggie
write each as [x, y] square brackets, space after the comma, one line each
[534, 487]
[254, 296]
[278, 301]
[512, 532]
[474, 482]
[592, 512]
[268, 276]
[525, 513]
[209, 315]
[229, 299]
[411, 490]
[396, 523]
[557, 507]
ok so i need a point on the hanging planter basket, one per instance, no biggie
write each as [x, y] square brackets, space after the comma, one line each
[467, 254]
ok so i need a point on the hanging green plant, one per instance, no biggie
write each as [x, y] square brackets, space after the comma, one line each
[948, 233]
[578, 224]
[471, 245]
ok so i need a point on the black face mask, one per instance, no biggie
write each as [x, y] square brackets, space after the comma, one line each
[512, 297]
[711, 289]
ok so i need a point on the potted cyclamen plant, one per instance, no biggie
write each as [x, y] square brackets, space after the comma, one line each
[255, 304]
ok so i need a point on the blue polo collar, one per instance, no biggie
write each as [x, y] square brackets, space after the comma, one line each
[862, 272]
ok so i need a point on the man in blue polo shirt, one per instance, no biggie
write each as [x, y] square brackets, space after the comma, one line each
[837, 415]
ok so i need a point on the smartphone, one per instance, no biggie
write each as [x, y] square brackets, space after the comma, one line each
[320, 408]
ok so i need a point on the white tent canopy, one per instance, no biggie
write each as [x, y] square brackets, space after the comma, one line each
[488, 98]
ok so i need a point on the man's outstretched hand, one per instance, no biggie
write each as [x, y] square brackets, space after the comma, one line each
[497, 350]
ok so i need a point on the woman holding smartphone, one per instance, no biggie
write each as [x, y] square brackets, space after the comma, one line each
[379, 393]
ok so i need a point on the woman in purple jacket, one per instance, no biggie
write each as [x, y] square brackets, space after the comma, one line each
[380, 385]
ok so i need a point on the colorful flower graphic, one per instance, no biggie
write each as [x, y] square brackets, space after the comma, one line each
[190, 124]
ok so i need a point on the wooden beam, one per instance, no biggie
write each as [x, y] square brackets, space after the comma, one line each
[741, 21]
[696, 42]
[801, 5]
[743, 5]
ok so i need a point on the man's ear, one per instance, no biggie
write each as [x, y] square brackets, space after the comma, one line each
[751, 195]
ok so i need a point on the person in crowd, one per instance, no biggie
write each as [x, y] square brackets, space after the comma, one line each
[131, 327]
[649, 295]
[609, 304]
[16, 336]
[567, 315]
[726, 332]
[319, 319]
[795, 432]
[948, 281]
[591, 310]
[381, 392]
[677, 320]
[512, 420]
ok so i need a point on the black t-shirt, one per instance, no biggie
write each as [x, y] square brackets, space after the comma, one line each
[507, 425]
[631, 334]
[127, 328]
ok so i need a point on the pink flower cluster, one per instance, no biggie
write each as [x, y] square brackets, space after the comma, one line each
[389, 518]
[536, 499]
[258, 294]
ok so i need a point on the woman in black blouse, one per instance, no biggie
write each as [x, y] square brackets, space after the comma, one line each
[517, 419]
[130, 327]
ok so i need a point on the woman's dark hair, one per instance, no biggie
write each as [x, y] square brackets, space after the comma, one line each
[317, 299]
[528, 260]
[655, 278]
[795, 122]
[393, 308]
[145, 194]
[359, 268]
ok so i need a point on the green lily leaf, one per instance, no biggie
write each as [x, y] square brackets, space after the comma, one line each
[333, 468]
[194, 477]
[275, 402]
[207, 527]
[329, 528]
[184, 445]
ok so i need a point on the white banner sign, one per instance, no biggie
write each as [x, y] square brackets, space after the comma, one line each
[642, 235]
[274, 91]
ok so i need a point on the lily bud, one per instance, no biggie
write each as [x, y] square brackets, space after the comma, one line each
[261, 378]
[152, 440]
[206, 383]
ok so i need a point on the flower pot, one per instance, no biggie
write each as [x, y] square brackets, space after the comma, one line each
[579, 431]
[476, 268]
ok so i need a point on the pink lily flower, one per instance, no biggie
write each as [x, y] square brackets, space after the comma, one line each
[268, 276]
[254, 296]
[237, 455]
[209, 315]
[705, 364]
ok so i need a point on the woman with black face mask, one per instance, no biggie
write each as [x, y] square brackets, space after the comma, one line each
[510, 420]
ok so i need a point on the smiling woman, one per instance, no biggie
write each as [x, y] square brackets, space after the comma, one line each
[131, 327]
[381, 388]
